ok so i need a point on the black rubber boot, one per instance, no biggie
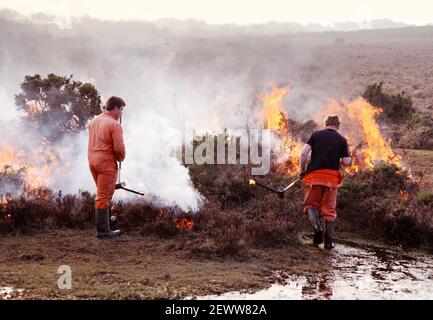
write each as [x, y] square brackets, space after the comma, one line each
[102, 220]
[314, 216]
[329, 234]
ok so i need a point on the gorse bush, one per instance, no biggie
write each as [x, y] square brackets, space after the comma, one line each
[396, 107]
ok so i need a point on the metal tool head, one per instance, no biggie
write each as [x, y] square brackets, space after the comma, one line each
[280, 192]
[120, 185]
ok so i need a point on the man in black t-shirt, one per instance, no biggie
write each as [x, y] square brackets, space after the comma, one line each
[322, 177]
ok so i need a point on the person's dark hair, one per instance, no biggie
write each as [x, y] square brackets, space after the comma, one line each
[332, 120]
[114, 102]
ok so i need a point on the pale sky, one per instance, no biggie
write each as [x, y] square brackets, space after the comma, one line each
[416, 12]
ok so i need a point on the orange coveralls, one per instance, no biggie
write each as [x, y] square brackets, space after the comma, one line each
[105, 148]
[321, 188]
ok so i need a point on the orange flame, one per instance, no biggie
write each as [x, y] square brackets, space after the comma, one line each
[276, 121]
[39, 162]
[404, 195]
[367, 144]
[185, 223]
[275, 115]
[4, 201]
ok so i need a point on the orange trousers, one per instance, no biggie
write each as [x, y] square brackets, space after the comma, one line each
[323, 198]
[104, 171]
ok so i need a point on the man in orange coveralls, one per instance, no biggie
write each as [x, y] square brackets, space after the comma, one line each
[322, 177]
[105, 148]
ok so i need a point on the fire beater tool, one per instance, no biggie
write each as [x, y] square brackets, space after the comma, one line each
[122, 185]
[279, 191]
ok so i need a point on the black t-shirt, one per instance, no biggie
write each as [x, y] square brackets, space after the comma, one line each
[328, 146]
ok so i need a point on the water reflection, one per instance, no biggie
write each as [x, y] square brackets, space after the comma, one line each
[7, 293]
[355, 273]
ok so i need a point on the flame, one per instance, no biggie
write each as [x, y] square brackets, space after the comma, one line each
[404, 195]
[185, 223]
[4, 202]
[252, 181]
[39, 162]
[275, 115]
[38, 193]
[368, 146]
[276, 121]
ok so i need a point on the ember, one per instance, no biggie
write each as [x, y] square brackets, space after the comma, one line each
[404, 195]
[185, 223]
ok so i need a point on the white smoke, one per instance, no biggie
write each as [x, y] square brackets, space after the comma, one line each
[152, 164]
[8, 110]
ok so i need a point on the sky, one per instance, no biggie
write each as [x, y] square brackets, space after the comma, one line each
[416, 12]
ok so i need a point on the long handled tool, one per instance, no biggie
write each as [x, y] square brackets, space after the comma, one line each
[291, 184]
[280, 190]
[122, 185]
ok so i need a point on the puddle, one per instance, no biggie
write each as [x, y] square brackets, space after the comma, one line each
[7, 293]
[355, 273]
